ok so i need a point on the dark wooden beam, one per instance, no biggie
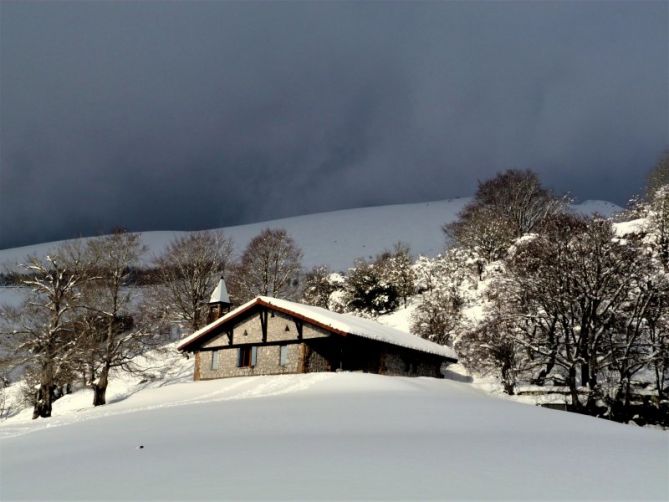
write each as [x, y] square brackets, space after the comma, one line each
[306, 319]
[299, 324]
[263, 324]
[303, 366]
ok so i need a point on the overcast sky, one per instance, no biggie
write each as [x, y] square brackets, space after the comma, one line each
[188, 115]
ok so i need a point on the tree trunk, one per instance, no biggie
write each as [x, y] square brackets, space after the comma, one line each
[507, 380]
[45, 395]
[44, 401]
[541, 377]
[100, 388]
[509, 388]
[585, 374]
[659, 382]
[550, 364]
[573, 391]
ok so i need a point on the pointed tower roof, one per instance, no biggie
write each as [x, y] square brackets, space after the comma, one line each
[220, 294]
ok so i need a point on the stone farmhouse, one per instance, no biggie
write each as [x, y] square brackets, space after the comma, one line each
[269, 336]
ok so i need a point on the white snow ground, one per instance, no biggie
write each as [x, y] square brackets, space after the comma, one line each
[328, 436]
[335, 238]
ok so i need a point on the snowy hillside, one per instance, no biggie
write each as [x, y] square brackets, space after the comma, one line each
[601, 207]
[337, 238]
[328, 436]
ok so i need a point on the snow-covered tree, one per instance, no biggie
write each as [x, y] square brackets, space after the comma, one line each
[367, 292]
[576, 299]
[658, 177]
[42, 328]
[318, 287]
[396, 268]
[491, 348]
[652, 227]
[375, 287]
[443, 282]
[657, 214]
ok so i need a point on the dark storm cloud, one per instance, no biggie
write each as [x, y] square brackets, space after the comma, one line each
[195, 114]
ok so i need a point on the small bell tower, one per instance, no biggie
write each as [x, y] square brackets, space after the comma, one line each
[219, 303]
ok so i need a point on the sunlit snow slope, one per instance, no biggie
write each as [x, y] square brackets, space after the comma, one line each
[329, 436]
[337, 238]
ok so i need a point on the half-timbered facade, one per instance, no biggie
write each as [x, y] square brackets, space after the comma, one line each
[268, 336]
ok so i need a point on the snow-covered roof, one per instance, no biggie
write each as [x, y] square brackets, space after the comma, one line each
[220, 294]
[341, 323]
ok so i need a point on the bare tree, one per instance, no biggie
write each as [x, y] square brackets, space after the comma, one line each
[187, 273]
[270, 266]
[483, 230]
[109, 333]
[508, 206]
[42, 327]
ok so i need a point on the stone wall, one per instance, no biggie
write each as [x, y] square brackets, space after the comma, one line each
[400, 363]
[280, 327]
[267, 362]
[316, 361]
[393, 364]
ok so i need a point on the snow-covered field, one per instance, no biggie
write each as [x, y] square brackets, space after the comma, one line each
[328, 436]
[336, 238]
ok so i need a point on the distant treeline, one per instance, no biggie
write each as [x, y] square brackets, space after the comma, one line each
[136, 276]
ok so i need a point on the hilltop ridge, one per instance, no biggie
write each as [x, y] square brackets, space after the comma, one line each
[335, 238]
